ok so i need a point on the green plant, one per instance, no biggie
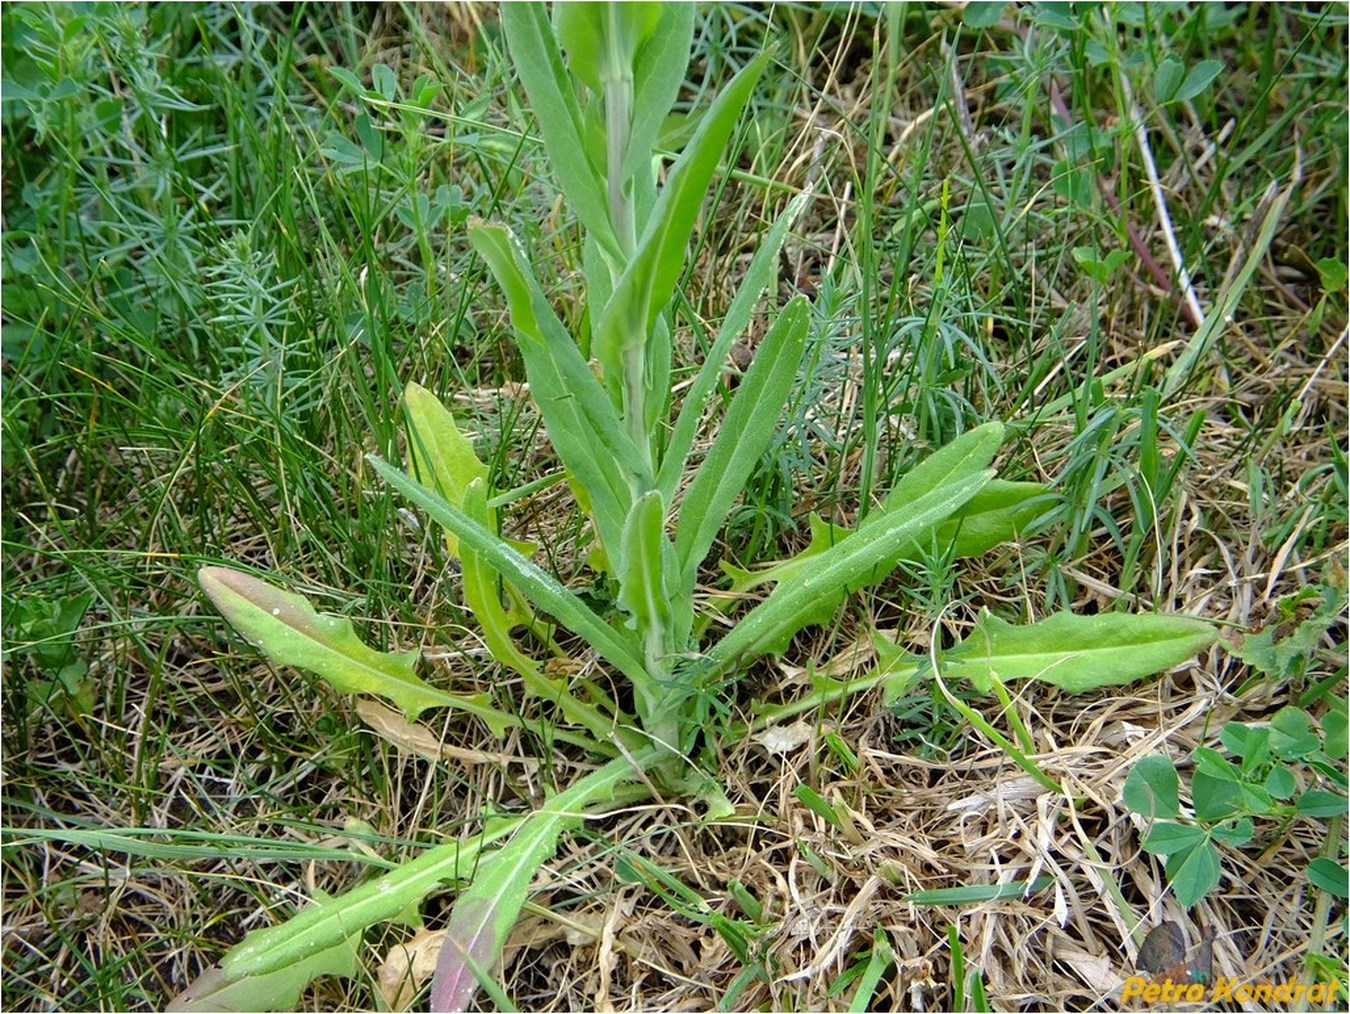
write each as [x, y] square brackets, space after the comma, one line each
[1287, 769]
[1274, 775]
[42, 630]
[866, 975]
[959, 979]
[1282, 650]
[655, 511]
[1266, 779]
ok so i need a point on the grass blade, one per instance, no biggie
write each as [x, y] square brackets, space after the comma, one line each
[187, 845]
[1225, 307]
[977, 893]
[882, 957]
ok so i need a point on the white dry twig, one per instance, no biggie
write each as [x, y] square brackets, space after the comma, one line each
[1160, 202]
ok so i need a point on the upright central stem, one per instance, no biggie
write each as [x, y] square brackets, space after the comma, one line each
[618, 130]
[617, 80]
[618, 126]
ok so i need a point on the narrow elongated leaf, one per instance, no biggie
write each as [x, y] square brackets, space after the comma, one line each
[879, 963]
[995, 514]
[646, 560]
[485, 913]
[643, 591]
[743, 436]
[963, 456]
[1225, 305]
[762, 271]
[922, 500]
[967, 453]
[442, 457]
[599, 287]
[482, 598]
[658, 72]
[768, 626]
[649, 278]
[326, 924]
[976, 893]
[824, 535]
[188, 845]
[534, 52]
[1077, 653]
[541, 588]
[289, 631]
[582, 423]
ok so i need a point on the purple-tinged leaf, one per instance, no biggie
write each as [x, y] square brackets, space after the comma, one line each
[488, 909]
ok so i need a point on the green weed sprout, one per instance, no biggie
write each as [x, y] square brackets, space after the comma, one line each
[1281, 771]
[601, 79]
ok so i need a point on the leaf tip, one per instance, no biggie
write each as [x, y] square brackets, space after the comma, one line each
[216, 581]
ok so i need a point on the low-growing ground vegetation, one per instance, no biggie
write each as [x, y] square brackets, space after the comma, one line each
[234, 234]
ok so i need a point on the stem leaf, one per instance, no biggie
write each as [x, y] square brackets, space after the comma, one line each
[538, 61]
[541, 588]
[658, 72]
[763, 269]
[643, 592]
[442, 457]
[744, 434]
[581, 420]
[483, 598]
[648, 280]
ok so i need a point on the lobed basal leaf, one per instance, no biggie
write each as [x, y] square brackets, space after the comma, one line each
[290, 632]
